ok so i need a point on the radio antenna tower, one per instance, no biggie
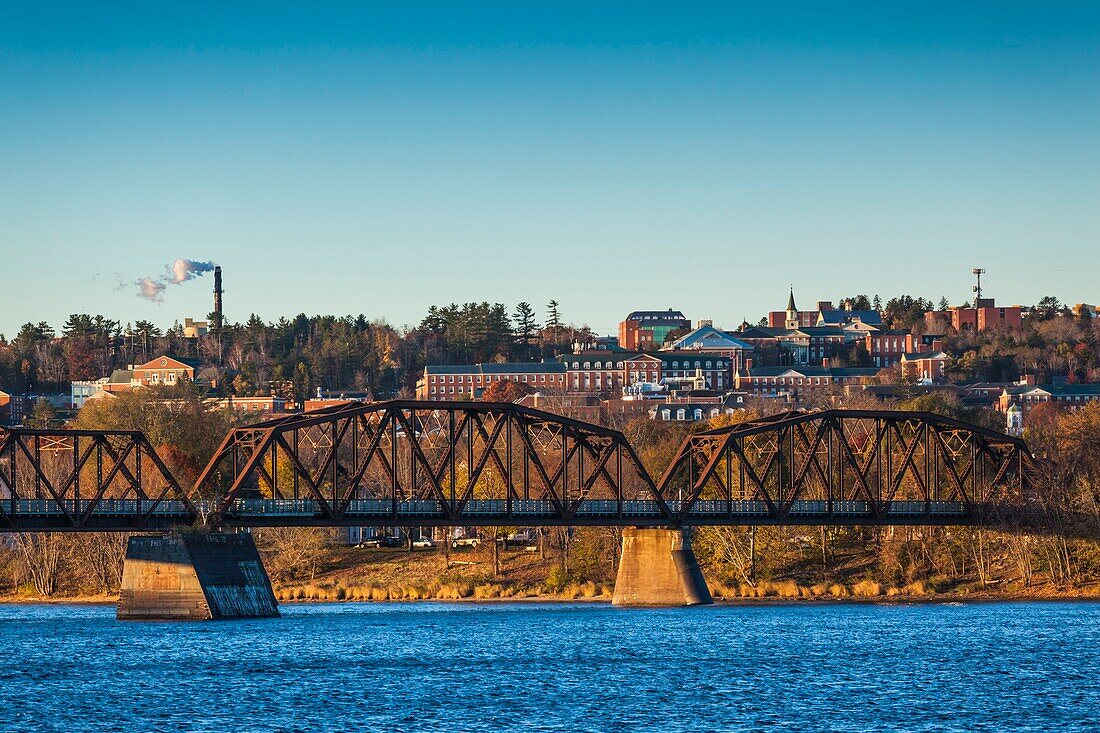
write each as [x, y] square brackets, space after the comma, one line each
[978, 271]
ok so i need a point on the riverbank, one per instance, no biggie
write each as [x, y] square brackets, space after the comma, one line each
[765, 594]
[340, 573]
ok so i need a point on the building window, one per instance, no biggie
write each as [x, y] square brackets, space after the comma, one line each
[680, 414]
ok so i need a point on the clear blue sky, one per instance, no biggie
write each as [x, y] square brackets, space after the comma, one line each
[613, 157]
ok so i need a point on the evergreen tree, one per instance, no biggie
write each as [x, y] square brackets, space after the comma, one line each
[553, 320]
[525, 327]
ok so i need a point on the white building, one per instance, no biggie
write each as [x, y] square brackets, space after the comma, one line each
[82, 391]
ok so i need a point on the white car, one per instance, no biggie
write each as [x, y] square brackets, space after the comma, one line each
[465, 542]
[424, 542]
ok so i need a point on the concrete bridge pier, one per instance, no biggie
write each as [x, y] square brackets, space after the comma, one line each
[194, 577]
[658, 568]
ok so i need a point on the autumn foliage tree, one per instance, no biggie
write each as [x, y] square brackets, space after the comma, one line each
[506, 390]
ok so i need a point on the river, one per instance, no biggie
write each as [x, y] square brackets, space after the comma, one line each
[558, 667]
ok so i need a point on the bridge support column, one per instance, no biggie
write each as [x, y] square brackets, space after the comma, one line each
[658, 568]
[194, 576]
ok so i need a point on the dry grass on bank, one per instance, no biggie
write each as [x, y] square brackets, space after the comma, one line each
[354, 574]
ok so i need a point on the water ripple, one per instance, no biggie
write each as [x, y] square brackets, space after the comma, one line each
[558, 667]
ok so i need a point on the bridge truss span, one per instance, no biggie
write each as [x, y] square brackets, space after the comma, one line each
[846, 467]
[414, 463]
[429, 463]
[87, 480]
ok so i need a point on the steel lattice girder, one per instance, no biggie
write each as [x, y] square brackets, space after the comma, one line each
[833, 466]
[850, 455]
[451, 452]
[70, 475]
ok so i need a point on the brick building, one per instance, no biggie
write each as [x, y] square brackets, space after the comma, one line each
[799, 382]
[887, 347]
[251, 405]
[164, 370]
[794, 318]
[609, 371]
[706, 339]
[586, 372]
[648, 330]
[1029, 395]
[464, 382]
[925, 366]
[983, 316]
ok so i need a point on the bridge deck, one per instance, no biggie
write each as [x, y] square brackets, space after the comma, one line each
[123, 514]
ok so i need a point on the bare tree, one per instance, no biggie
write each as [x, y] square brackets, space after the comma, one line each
[102, 553]
[41, 553]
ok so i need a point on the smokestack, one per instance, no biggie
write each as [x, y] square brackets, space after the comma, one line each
[218, 296]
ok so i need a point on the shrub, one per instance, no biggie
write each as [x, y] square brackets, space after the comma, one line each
[867, 589]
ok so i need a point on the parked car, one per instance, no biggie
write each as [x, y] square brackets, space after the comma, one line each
[458, 542]
[424, 542]
[384, 541]
[519, 539]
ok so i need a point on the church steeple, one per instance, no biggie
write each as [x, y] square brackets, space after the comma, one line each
[792, 312]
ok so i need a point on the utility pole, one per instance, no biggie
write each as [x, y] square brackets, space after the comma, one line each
[978, 271]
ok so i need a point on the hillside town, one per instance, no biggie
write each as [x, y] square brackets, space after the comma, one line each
[660, 365]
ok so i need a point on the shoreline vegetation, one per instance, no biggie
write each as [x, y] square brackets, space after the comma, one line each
[1089, 594]
[322, 573]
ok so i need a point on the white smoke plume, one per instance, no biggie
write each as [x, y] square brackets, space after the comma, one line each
[151, 289]
[183, 270]
[180, 271]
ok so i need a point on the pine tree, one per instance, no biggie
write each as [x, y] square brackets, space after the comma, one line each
[525, 326]
[553, 320]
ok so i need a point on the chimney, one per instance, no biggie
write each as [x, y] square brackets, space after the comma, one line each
[1029, 380]
[937, 344]
[218, 296]
[704, 322]
[825, 362]
[748, 365]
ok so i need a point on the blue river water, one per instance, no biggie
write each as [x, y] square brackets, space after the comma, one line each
[558, 667]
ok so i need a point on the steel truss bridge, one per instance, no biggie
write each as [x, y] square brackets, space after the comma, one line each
[412, 463]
